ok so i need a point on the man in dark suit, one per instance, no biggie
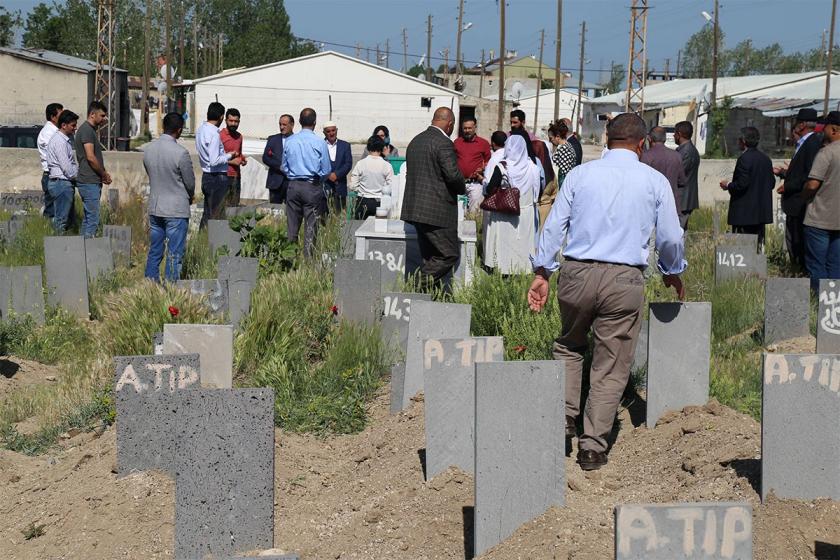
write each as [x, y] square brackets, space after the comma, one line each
[689, 199]
[808, 143]
[430, 200]
[341, 159]
[666, 161]
[573, 140]
[276, 182]
[751, 188]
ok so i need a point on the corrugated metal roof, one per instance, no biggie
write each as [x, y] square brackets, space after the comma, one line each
[54, 59]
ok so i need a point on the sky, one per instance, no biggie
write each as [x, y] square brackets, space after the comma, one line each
[670, 23]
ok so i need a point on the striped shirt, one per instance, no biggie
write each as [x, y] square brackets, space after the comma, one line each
[61, 161]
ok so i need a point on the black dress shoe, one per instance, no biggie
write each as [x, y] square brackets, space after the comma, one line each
[591, 460]
[571, 429]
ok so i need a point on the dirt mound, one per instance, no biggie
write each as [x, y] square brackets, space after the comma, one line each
[16, 373]
[364, 496]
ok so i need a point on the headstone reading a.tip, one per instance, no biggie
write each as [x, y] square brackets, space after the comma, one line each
[679, 353]
[147, 418]
[22, 292]
[348, 237]
[828, 318]
[66, 274]
[787, 309]
[449, 397]
[519, 446]
[800, 443]
[428, 320]
[712, 531]
[213, 343]
[220, 235]
[733, 262]
[396, 313]
[99, 258]
[213, 289]
[120, 241]
[224, 472]
[357, 290]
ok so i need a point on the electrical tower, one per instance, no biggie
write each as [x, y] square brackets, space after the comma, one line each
[637, 67]
[105, 86]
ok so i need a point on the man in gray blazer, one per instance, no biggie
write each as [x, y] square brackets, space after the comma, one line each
[430, 201]
[171, 191]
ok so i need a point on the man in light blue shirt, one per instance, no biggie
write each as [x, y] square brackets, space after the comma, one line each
[605, 212]
[306, 162]
[214, 164]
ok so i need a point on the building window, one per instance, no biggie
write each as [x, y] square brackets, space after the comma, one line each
[426, 102]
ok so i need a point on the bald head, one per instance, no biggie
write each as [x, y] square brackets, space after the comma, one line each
[657, 135]
[444, 119]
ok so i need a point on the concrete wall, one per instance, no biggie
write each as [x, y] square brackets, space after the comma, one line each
[28, 87]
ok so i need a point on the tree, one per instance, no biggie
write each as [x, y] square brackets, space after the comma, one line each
[8, 22]
[698, 53]
[416, 70]
[617, 79]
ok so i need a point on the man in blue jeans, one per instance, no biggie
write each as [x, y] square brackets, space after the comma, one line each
[62, 169]
[171, 191]
[92, 174]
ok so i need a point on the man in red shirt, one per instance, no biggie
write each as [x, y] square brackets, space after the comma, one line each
[232, 142]
[473, 154]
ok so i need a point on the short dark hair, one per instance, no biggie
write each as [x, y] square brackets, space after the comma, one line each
[626, 127]
[232, 113]
[750, 136]
[308, 117]
[519, 114]
[469, 119]
[215, 111]
[558, 128]
[685, 128]
[498, 138]
[172, 123]
[53, 109]
[97, 106]
[67, 117]
[375, 144]
[658, 135]
[290, 117]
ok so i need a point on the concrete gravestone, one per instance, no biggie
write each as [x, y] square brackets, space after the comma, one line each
[240, 273]
[220, 235]
[428, 320]
[679, 352]
[120, 240]
[224, 472]
[146, 417]
[114, 199]
[800, 443]
[22, 292]
[24, 201]
[215, 291]
[396, 313]
[98, 257]
[828, 319]
[787, 309]
[734, 261]
[357, 289]
[519, 446]
[213, 343]
[67, 283]
[719, 530]
[348, 237]
[449, 396]
[392, 256]
[745, 240]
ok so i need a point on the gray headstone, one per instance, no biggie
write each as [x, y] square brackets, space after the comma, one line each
[745, 240]
[828, 319]
[391, 254]
[220, 235]
[231, 211]
[239, 300]
[711, 531]
[224, 472]
[719, 213]
[216, 292]
[449, 397]
[5, 232]
[428, 320]
[146, 417]
[22, 292]
[272, 209]
[238, 269]
[24, 201]
[98, 257]
[787, 309]
[213, 343]
[348, 237]
[679, 352]
[114, 199]
[733, 262]
[120, 241]
[357, 289]
[157, 343]
[640, 358]
[67, 283]
[396, 313]
[519, 446]
[800, 442]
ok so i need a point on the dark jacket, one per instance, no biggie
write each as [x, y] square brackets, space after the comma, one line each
[751, 190]
[273, 158]
[669, 163]
[793, 203]
[573, 140]
[342, 166]
[690, 199]
[433, 180]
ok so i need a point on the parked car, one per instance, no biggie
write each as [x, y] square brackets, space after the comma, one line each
[19, 136]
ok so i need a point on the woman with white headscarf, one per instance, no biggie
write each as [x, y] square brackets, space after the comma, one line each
[509, 240]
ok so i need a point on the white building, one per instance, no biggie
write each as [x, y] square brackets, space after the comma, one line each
[355, 94]
[568, 108]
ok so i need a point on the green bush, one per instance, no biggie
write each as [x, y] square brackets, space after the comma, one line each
[266, 242]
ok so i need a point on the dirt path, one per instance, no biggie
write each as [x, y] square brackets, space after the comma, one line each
[363, 496]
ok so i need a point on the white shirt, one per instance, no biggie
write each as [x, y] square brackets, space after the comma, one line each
[495, 158]
[370, 177]
[802, 141]
[47, 132]
[331, 148]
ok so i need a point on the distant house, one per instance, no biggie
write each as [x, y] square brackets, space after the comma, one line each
[522, 68]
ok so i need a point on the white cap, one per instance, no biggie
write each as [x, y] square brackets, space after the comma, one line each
[329, 124]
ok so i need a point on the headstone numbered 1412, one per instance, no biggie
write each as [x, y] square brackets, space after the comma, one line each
[737, 261]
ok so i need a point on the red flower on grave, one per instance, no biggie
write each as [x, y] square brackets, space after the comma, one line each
[519, 349]
[174, 311]
[334, 310]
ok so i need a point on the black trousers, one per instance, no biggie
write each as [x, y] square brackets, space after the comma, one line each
[277, 196]
[795, 239]
[214, 187]
[234, 191]
[757, 229]
[365, 207]
[440, 250]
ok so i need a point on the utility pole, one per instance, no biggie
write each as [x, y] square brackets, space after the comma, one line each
[501, 116]
[637, 65]
[195, 44]
[358, 51]
[367, 50]
[679, 63]
[387, 54]
[146, 74]
[168, 33]
[822, 48]
[105, 62]
[481, 79]
[539, 83]
[446, 66]
[716, 41]
[458, 69]
[221, 52]
[667, 68]
[828, 57]
[429, 49]
[557, 49]
[182, 13]
[580, 76]
[405, 50]
[378, 56]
